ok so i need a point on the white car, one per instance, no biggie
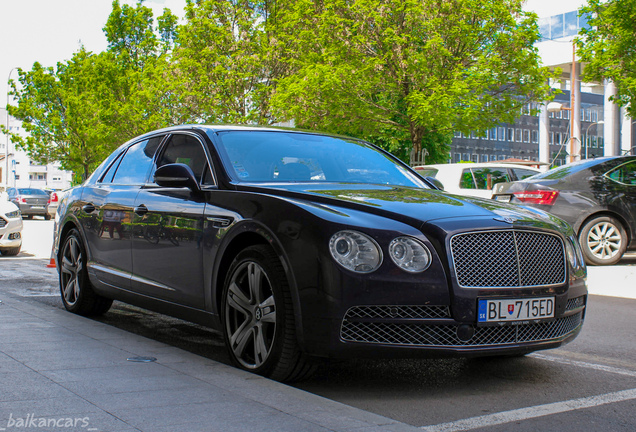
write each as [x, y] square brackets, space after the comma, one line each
[475, 179]
[10, 229]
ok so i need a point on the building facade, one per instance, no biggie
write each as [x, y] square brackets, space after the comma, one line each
[17, 169]
[590, 124]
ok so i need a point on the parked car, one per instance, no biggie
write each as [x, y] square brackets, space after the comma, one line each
[475, 179]
[596, 196]
[10, 229]
[54, 200]
[31, 201]
[299, 245]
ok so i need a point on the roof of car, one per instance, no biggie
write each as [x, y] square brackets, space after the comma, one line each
[461, 166]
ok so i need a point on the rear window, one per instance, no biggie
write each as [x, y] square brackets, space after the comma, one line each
[32, 192]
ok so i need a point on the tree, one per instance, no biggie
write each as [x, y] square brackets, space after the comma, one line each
[608, 47]
[61, 113]
[408, 70]
[81, 110]
[223, 66]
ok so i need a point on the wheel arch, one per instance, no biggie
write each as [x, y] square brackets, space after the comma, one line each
[607, 213]
[242, 236]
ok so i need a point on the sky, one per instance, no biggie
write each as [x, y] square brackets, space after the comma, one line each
[50, 31]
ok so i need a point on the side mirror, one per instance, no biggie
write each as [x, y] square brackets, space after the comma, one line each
[176, 175]
[436, 183]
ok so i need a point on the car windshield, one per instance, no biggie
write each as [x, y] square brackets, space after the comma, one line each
[272, 156]
[32, 192]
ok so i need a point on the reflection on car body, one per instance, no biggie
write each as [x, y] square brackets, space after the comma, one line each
[300, 245]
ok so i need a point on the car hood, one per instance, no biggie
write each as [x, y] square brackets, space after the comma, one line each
[412, 205]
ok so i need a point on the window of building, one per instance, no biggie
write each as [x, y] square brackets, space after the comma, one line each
[557, 138]
[17, 177]
[570, 20]
[556, 26]
[493, 134]
[535, 136]
[474, 158]
[458, 134]
[518, 135]
[502, 134]
[594, 116]
[457, 157]
[484, 158]
[511, 135]
[466, 157]
[57, 178]
[565, 115]
[526, 135]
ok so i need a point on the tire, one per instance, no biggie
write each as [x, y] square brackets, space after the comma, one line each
[258, 319]
[603, 240]
[76, 290]
[47, 217]
[11, 251]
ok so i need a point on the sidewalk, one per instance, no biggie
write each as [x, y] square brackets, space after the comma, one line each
[73, 374]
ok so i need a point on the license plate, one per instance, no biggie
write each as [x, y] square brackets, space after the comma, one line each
[509, 310]
[502, 198]
[37, 208]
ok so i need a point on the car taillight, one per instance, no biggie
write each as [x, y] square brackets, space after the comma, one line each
[21, 199]
[53, 198]
[543, 197]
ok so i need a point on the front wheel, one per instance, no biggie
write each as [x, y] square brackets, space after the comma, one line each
[603, 240]
[258, 319]
[77, 292]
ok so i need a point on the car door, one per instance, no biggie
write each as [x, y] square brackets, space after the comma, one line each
[167, 245]
[623, 191]
[107, 209]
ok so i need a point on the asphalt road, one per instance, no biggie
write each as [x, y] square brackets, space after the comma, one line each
[587, 385]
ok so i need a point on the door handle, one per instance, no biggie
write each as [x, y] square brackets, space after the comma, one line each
[88, 208]
[141, 210]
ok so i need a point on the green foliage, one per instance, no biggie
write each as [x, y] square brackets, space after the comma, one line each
[223, 68]
[403, 74]
[609, 47]
[417, 69]
[81, 110]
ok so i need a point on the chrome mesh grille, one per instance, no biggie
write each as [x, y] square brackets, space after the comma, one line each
[575, 303]
[413, 312]
[508, 259]
[446, 335]
[3, 223]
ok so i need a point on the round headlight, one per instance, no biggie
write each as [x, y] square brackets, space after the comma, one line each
[410, 254]
[355, 251]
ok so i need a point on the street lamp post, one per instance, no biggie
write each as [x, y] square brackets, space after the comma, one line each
[6, 148]
[587, 131]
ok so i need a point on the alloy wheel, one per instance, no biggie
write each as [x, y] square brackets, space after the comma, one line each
[250, 315]
[71, 267]
[604, 240]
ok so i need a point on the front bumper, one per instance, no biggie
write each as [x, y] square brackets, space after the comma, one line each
[10, 233]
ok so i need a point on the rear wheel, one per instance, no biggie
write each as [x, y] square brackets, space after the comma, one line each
[603, 240]
[77, 292]
[258, 319]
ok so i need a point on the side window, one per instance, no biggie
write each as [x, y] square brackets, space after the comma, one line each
[521, 173]
[110, 173]
[188, 150]
[625, 174]
[486, 178]
[466, 181]
[135, 165]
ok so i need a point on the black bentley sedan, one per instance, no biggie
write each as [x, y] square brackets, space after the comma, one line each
[299, 245]
[596, 196]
